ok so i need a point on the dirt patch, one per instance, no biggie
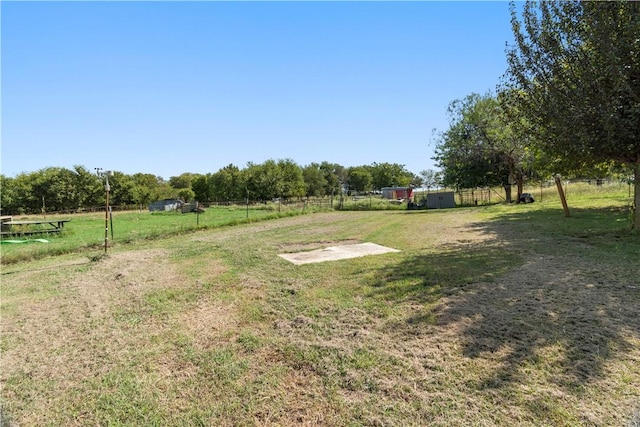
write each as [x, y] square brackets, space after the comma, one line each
[131, 273]
[207, 322]
[72, 330]
[334, 253]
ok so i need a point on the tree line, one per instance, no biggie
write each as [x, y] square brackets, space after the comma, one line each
[56, 189]
[569, 103]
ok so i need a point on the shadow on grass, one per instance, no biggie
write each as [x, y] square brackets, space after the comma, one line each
[529, 298]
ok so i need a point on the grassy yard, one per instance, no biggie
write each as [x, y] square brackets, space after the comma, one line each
[494, 315]
[86, 231]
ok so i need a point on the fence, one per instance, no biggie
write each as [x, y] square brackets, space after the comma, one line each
[475, 197]
[277, 204]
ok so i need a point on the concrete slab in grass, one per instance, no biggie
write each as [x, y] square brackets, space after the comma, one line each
[334, 253]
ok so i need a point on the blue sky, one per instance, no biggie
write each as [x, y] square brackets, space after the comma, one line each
[173, 87]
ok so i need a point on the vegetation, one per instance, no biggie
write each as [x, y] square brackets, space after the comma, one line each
[569, 103]
[56, 189]
[482, 148]
[574, 73]
[85, 231]
[495, 315]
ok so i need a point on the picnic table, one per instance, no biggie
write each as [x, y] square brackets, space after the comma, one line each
[19, 228]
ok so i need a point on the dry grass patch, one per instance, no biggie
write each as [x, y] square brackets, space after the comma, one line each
[473, 323]
[76, 335]
[209, 323]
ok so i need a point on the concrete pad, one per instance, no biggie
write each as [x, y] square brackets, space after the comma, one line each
[334, 253]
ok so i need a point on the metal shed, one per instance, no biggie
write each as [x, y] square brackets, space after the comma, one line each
[165, 205]
[442, 200]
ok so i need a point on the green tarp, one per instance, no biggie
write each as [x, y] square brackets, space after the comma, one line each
[25, 241]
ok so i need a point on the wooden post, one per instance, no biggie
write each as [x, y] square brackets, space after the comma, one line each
[111, 221]
[563, 199]
[106, 216]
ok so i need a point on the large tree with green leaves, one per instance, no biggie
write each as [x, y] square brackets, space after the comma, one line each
[202, 187]
[291, 178]
[314, 180]
[53, 189]
[360, 179]
[574, 71]
[390, 175]
[148, 188]
[335, 176]
[122, 190]
[228, 184]
[482, 146]
[274, 179]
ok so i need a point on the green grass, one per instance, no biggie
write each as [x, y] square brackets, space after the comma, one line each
[87, 231]
[494, 315]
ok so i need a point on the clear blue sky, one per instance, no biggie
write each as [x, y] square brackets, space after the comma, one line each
[173, 87]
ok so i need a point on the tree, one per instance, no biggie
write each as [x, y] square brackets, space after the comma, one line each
[430, 178]
[121, 189]
[482, 147]
[574, 71]
[291, 179]
[228, 184]
[9, 195]
[202, 186]
[314, 180]
[54, 189]
[389, 175]
[273, 179]
[416, 181]
[183, 180]
[263, 182]
[148, 188]
[360, 179]
[89, 188]
[335, 176]
[183, 184]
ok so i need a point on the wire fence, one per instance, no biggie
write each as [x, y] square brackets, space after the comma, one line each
[374, 201]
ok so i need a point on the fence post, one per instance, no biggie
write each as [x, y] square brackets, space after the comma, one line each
[247, 199]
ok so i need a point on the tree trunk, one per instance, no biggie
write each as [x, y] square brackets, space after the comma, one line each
[519, 186]
[507, 193]
[635, 224]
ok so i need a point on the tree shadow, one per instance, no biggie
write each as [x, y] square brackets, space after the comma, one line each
[523, 299]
